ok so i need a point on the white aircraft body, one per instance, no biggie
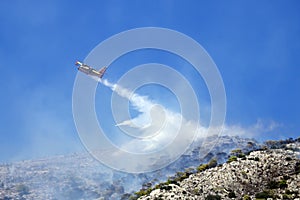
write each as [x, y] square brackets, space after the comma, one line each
[89, 70]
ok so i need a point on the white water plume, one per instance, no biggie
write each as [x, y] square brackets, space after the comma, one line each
[155, 126]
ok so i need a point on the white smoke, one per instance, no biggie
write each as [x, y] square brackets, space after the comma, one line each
[140, 103]
[155, 126]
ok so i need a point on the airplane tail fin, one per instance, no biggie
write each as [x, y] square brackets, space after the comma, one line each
[102, 71]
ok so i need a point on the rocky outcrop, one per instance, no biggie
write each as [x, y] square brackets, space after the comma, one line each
[264, 174]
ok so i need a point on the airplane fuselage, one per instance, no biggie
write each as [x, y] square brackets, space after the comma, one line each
[90, 71]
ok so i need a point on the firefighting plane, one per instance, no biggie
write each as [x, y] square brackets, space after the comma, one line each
[89, 70]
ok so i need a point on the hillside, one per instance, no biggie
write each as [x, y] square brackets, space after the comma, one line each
[79, 176]
[269, 173]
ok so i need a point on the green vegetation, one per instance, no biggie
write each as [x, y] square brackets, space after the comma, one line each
[231, 159]
[231, 194]
[202, 167]
[297, 168]
[196, 191]
[250, 144]
[277, 184]
[181, 176]
[144, 192]
[255, 159]
[287, 196]
[270, 191]
[246, 197]
[212, 163]
[238, 153]
[282, 184]
[272, 185]
[213, 197]
[290, 194]
[288, 159]
[264, 195]
[166, 187]
[244, 174]
[273, 144]
[147, 187]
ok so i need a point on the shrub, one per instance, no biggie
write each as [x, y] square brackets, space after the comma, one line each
[277, 184]
[180, 176]
[196, 191]
[291, 192]
[297, 168]
[212, 163]
[158, 186]
[282, 184]
[189, 170]
[244, 174]
[250, 144]
[231, 194]
[213, 197]
[287, 196]
[288, 159]
[263, 195]
[246, 197]
[143, 192]
[273, 185]
[231, 159]
[166, 187]
[202, 167]
[241, 155]
[146, 185]
[236, 152]
[171, 181]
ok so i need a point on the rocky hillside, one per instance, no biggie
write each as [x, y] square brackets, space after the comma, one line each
[269, 173]
[79, 176]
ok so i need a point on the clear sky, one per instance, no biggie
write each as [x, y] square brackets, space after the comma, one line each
[255, 44]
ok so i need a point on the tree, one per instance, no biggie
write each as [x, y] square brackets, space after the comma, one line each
[212, 163]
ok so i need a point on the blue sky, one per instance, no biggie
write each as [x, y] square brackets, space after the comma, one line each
[255, 45]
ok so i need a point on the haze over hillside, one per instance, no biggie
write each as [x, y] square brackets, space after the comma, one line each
[80, 176]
